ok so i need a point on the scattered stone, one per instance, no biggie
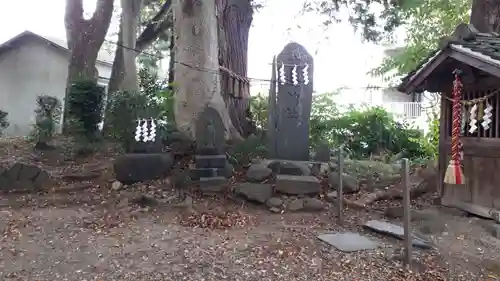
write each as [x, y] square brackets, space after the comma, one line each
[350, 183]
[496, 230]
[395, 212]
[132, 168]
[295, 205]
[258, 192]
[116, 185]
[313, 205]
[297, 185]
[290, 168]
[332, 196]
[348, 242]
[258, 173]
[274, 202]
[495, 215]
[275, 210]
[395, 231]
[432, 227]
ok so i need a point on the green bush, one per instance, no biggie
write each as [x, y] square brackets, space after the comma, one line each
[124, 109]
[363, 131]
[4, 123]
[85, 108]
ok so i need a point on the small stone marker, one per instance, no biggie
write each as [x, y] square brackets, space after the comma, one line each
[348, 242]
[322, 153]
[395, 231]
[210, 132]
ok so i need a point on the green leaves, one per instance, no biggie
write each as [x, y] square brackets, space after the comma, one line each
[425, 24]
[362, 131]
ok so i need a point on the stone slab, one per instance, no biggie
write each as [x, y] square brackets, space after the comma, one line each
[213, 184]
[196, 174]
[348, 242]
[395, 231]
[210, 161]
[297, 185]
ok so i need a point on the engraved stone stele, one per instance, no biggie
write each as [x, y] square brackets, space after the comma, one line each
[294, 99]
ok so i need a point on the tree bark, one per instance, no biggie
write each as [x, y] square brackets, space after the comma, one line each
[130, 20]
[85, 38]
[234, 20]
[196, 68]
[485, 15]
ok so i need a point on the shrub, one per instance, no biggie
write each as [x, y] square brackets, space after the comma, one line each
[4, 123]
[124, 109]
[48, 116]
[85, 106]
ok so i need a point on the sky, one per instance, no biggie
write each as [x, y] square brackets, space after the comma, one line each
[340, 58]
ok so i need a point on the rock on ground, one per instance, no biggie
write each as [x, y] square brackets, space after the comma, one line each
[132, 168]
[258, 192]
[24, 177]
[350, 183]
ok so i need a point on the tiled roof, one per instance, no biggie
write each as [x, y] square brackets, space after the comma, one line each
[467, 40]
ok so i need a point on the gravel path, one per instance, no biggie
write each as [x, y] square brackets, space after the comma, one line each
[117, 240]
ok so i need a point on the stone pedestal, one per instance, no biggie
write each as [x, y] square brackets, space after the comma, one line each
[211, 171]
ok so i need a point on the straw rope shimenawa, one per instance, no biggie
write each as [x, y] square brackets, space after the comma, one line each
[454, 173]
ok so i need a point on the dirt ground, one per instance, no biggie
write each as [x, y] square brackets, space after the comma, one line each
[99, 233]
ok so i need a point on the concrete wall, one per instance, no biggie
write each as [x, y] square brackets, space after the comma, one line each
[29, 71]
[392, 95]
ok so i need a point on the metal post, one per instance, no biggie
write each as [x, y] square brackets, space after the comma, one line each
[405, 170]
[340, 194]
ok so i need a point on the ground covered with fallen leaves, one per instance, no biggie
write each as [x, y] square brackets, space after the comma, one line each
[140, 233]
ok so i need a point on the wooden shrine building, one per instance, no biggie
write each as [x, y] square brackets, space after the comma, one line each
[477, 58]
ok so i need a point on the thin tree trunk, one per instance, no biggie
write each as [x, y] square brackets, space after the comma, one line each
[171, 63]
[485, 15]
[196, 72]
[234, 21]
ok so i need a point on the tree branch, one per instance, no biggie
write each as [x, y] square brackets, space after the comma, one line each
[73, 19]
[101, 19]
[155, 27]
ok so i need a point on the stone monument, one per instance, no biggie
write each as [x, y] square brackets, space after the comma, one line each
[293, 103]
[211, 165]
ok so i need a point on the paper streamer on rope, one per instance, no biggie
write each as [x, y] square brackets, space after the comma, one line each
[152, 131]
[487, 116]
[295, 79]
[281, 75]
[305, 74]
[473, 119]
[145, 132]
[138, 130]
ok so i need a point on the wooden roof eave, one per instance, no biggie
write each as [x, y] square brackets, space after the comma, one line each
[476, 60]
[416, 80]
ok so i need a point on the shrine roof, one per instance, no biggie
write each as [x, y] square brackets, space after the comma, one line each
[467, 45]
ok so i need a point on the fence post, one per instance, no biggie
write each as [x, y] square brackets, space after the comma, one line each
[406, 207]
[341, 185]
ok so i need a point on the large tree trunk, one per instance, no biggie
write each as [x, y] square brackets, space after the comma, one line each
[196, 68]
[485, 15]
[234, 20]
[85, 38]
[131, 10]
